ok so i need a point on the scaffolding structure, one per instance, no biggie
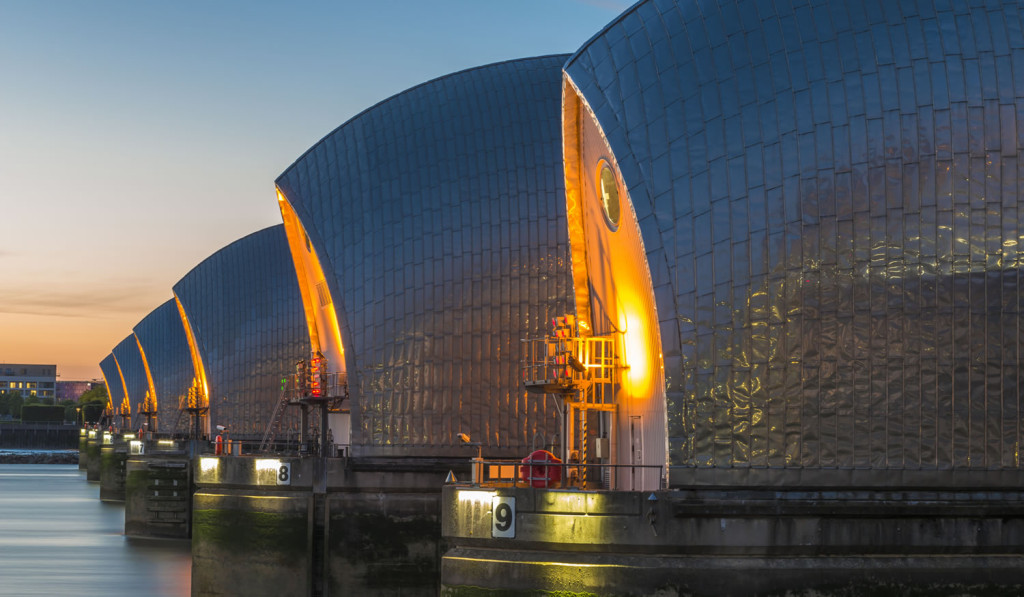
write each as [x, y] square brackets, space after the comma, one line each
[316, 391]
[580, 373]
[196, 404]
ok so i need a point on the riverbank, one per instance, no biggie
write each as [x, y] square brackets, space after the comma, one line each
[38, 456]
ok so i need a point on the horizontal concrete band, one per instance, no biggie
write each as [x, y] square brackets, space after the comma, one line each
[796, 478]
[516, 573]
[735, 523]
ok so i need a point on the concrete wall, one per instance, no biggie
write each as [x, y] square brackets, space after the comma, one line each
[371, 528]
[158, 494]
[729, 542]
[113, 459]
[93, 444]
[384, 530]
[31, 436]
[83, 449]
[251, 544]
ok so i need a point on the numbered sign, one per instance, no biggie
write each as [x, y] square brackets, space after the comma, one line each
[503, 517]
[284, 474]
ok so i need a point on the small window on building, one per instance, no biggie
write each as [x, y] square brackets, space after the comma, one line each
[608, 194]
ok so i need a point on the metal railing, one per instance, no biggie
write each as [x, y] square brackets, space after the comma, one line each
[564, 475]
[296, 387]
[569, 365]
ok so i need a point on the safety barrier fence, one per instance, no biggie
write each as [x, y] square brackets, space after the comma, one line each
[547, 474]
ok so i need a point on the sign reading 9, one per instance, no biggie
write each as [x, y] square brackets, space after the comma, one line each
[503, 517]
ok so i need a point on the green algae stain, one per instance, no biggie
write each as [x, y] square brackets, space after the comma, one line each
[274, 535]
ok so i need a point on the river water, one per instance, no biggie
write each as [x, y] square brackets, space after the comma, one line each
[58, 538]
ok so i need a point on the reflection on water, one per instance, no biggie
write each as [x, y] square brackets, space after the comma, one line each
[58, 538]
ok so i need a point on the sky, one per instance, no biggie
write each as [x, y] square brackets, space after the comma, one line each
[138, 137]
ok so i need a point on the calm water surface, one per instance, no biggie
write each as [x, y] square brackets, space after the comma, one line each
[58, 538]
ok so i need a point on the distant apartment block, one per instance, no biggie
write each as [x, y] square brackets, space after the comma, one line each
[29, 380]
[73, 390]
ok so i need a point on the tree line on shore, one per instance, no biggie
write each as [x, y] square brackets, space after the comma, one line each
[31, 409]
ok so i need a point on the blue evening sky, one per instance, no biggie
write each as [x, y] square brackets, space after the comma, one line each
[137, 137]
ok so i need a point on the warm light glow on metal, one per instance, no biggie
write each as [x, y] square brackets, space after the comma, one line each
[149, 403]
[637, 346]
[613, 284]
[197, 360]
[317, 302]
[125, 406]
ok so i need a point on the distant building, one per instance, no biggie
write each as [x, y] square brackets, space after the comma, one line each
[73, 390]
[28, 380]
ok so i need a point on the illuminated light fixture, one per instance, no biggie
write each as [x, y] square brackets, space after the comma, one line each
[476, 498]
[165, 442]
[207, 464]
[268, 464]
[129, 436]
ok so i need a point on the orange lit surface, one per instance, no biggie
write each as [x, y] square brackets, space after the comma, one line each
[126, 407]
[614, 294]
[317, 302]
[150, 403]
[197, 359]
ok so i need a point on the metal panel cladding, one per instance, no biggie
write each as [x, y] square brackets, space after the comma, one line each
[115, 385]
[828, 196]
[246, 313]
[129, 359]
[440, 215]
[163, 340]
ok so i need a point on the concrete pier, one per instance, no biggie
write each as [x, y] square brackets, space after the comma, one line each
[113, 459]
[83, 449]
[93, 444]
[522, 541]
[261, 526]
[158, 492]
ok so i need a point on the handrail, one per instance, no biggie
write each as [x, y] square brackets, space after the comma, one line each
[509, 473]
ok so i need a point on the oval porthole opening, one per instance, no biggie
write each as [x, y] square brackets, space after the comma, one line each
[608, 194]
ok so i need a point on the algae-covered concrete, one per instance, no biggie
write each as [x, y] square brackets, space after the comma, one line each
[251, 544]
[261, 527]
[113, 459]
[521, 541]
[158, 494]
[93, 444]
[384, 543]
[251, 530]
[83, 449]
